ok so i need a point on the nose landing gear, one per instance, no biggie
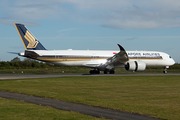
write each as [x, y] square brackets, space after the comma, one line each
[165, 69]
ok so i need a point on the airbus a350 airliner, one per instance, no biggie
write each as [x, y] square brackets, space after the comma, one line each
[98, 60]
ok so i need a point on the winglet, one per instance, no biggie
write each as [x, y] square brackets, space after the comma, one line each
[120, 47]
[121, 57]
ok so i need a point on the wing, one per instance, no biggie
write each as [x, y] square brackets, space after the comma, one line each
[118, 59]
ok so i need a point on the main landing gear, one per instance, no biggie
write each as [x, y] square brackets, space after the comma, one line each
[98, 72]
[109, 72]
[94, 71]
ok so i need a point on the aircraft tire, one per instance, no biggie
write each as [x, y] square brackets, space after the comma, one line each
[94, 72]
[105, 72]
[165, 71]
[91, 72]
[111, 72]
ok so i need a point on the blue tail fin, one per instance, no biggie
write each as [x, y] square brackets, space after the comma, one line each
[29, 41]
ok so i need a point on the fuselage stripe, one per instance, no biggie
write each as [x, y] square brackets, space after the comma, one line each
[86, 58]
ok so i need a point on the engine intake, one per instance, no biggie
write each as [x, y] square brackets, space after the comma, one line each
[135, 66]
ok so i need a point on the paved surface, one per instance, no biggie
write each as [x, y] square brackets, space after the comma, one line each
[22, 76]
[84, 109]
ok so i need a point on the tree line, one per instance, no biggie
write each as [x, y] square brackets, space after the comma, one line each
[27, 63]
[16, 63]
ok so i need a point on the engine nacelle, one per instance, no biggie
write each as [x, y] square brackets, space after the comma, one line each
[135, 66]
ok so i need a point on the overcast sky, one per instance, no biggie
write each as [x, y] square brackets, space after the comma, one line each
[92, 24]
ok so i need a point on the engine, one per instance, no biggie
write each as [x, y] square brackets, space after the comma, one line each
[135, 66]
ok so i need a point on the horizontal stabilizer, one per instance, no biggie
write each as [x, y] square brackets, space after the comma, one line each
[31, 54]
[13, 53]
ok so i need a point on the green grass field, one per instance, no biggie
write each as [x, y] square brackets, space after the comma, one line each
[157, 96]
[17, 110]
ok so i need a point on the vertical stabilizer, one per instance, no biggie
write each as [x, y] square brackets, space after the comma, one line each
[29, 41]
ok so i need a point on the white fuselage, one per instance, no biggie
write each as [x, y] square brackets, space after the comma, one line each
[93, 58]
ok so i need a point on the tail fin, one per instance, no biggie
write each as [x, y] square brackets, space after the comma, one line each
[29, 41]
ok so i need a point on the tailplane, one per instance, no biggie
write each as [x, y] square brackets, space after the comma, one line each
[29, 41]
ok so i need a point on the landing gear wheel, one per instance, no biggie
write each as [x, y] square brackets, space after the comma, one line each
[97, 72]
[105, 72]
[91, 72]
[111, 72]
[165, 71]
[94, 72]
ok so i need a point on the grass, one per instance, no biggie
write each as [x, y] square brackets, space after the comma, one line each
[157, 96]
[17, 110]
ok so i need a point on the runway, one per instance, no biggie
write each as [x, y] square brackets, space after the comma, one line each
[80, 108]
[25, 76]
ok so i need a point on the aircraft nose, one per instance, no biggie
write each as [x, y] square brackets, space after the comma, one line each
[172, 62]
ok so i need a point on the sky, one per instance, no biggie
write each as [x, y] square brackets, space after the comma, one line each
[151, 25]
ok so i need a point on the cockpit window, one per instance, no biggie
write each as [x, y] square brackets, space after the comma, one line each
[169, 56]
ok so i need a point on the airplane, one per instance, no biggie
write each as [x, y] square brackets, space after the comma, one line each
[98, 60]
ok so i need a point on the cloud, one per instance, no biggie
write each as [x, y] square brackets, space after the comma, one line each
[70, 29]
[117, 14]
[100, 4]
[132, 38]
[128, 14]
[32, 10]
[11, 22]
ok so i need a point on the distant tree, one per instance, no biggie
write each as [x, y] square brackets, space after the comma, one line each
[28, 59]
[16, 59]
[15, 63]
[175, 66]
[5, 65]
[30, 63]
